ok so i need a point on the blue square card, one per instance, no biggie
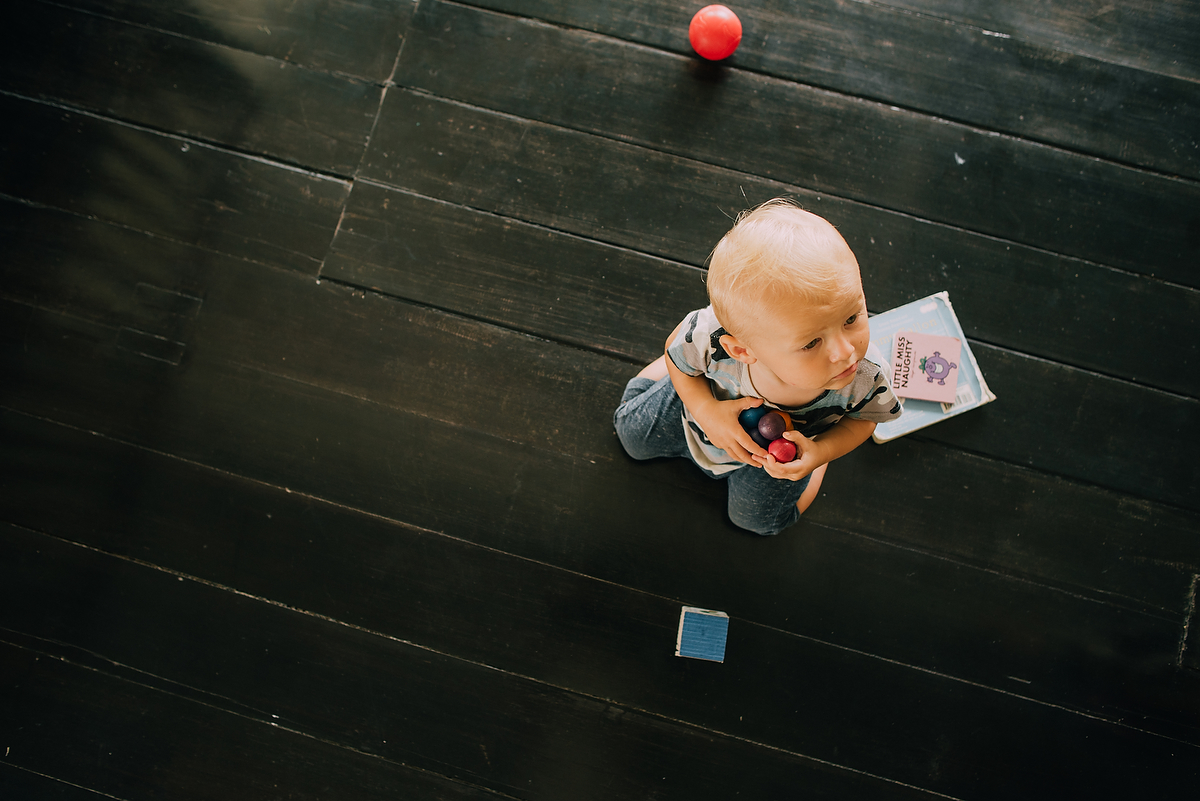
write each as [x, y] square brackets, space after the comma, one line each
[702, 634]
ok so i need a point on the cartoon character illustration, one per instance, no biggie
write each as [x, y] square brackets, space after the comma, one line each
[936, 367]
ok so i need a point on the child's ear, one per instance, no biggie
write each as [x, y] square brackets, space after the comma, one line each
[737, 350]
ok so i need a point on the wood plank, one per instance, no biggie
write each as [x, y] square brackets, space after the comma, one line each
[557, 286]
[295, 339]
[110, 275]
[539, 742]
[1006, 294]
[357, 37]
[340, 689]
[558, 509]
[889, 157]
[208, 92]
[1086, 417]
[167, 186]
[1158, 37]
[101, 281]
[514, 274]
[1077, 537]
[18, 783]
[952, 71]
[125, 740]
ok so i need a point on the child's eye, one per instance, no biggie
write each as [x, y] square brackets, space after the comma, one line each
[850, 320]
[812, 344]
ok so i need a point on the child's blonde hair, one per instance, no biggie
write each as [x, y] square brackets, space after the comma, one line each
[777, 249]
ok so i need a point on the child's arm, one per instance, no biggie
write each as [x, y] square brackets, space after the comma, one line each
[839, 440]
[718, 419]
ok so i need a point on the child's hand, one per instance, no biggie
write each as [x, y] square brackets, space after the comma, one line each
[808, 458]
[719, 420]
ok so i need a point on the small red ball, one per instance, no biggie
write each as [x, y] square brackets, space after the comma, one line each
[715, 32]
[783, 450]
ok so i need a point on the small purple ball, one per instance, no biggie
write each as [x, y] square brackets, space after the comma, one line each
[772, 426]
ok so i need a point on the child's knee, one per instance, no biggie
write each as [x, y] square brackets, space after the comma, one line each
[764, 525]
[647, 423]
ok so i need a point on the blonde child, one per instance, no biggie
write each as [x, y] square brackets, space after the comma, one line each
[787, 328]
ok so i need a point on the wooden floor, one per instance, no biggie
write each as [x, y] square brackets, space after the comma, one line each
[313, 319]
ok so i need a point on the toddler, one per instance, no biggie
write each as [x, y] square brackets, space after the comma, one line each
[787, 328]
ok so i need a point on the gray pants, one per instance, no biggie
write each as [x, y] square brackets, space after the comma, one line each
[649, 425]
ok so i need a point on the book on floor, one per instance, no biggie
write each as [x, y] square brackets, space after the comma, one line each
[924, 365]
[933, 371]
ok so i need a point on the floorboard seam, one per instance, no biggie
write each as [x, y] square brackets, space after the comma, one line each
[681, 264]
[891, 105]
[531, 223]
[224, 46]
[271, 723]
[1022, 354]
[482, 665]
[33, 204]
[1036, 42]
[221, 147]
[23, 769]
[949, 558]
[785, 188]
[428, 649]
[1192, 512]
[461, 315]
[13, 633]
[1189, 614]
[1009, 693]
[387, 84]
[1137, 606]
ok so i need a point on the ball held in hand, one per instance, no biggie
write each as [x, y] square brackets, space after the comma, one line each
[759, 439]
[766, 426]
[772, 426]
[783, 450]
[715, 32]
[749, 417]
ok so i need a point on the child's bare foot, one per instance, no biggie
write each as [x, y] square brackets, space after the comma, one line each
[810, 492]
[655, 370]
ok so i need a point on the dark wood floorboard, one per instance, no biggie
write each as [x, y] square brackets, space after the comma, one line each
[1037, 195]
[1157, 37]
[213, 406]
[564, 742]
[955, 72]
[210, 92]
[332, 339]
[406, 233]
[132, 616]
[676, 208]
[19, 783]
[313, 317]
[168, 186]
[359, 38]
[127, 740]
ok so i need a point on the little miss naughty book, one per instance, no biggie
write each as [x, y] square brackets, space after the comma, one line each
[925, 366]
[922, 367]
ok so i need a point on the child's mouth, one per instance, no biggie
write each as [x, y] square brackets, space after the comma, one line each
[849, 372]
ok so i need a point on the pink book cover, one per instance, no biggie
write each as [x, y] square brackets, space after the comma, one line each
[925, 367]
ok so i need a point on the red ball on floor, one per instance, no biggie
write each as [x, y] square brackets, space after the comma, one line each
[715, 32]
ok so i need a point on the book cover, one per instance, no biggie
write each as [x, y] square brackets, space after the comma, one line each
[702, 634]
[935, 316]
[925, 366]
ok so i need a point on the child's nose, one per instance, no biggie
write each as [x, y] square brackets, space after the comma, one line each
[840, 349]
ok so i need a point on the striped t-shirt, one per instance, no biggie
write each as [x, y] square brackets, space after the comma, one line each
[697, 351]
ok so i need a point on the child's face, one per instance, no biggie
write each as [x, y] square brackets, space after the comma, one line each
[810, 349]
